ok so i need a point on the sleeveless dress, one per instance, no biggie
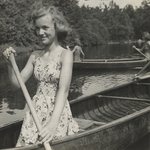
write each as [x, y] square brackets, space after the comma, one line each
[44, 101]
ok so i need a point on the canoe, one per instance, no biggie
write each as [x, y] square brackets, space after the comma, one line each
[109, 63]
[112, 119]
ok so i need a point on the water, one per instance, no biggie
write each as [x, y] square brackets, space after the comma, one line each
[84, 82]
[111, 51]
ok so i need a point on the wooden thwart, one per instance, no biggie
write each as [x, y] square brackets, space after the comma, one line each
[143, 83]
[124, 98]
[84, 123]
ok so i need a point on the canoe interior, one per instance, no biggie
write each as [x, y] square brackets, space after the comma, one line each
[106, 110]
[102, 113]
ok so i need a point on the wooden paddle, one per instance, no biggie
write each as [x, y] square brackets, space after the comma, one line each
[143, 69]
[145, 65]
[141, 52]
[27, 97]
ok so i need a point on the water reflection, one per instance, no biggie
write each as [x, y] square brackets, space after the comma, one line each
[111, 51]
[89, 82]
[76, 88]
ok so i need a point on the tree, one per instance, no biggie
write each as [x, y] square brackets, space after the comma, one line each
[117, 22]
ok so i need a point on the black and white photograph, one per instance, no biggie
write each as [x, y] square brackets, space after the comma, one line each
[75, 75]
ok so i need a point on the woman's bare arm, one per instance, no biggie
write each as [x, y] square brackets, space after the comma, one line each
[139, 49]
[25, 73]
[64, 85]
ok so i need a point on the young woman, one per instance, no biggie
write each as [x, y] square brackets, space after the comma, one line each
[52, 68]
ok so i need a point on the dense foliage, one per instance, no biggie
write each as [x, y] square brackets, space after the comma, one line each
[91, 26]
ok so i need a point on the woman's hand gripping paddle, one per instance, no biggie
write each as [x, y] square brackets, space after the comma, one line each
[27, 97]
[140, 52]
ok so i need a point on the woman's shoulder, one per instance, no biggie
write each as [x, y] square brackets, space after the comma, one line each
[36, 53]
[66, 54]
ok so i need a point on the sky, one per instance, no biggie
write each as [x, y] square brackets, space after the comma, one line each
[121, 3]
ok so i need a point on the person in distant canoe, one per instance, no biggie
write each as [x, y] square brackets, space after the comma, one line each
[140, 43]
[146, 47]
[77, 52]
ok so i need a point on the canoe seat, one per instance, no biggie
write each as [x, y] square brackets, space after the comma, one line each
[84, 123]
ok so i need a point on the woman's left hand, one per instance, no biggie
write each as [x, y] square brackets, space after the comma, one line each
[47, 133]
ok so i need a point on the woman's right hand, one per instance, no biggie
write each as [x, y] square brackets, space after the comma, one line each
[7, 53]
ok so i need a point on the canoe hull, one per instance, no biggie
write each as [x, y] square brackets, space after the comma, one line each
[109, 64]
[117, 137]
[117, 123]
[9, 135]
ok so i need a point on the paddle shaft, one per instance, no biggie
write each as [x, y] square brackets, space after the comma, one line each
[124, 98]
[143, 68]
[145, 65]
[142, 53]
[27, 97]
[143, 84]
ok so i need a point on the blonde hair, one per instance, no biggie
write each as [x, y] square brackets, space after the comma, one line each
[61, 25]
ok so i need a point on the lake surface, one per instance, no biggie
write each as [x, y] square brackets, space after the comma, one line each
[111, 51]
[84, 82]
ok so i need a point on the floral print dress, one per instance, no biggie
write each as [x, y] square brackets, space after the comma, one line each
[44, 101]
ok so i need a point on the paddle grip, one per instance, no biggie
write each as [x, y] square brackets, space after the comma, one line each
[47, 146]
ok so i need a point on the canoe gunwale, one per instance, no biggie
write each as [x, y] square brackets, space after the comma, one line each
[27, 147]
[109, 64]
[120, 59]
[10, 124]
